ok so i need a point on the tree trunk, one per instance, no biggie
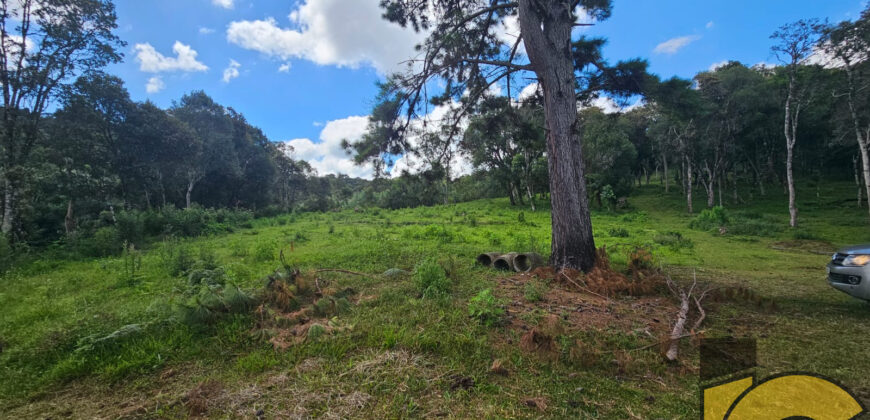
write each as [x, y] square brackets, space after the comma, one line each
[857, 179]
[69, 222]
[549, 50]
[865, 161]
[688, 183]
[187, 195]
[8, 208]
[790, 129]
[665, 172]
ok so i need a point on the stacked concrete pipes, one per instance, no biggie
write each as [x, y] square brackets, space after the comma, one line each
[521, 262]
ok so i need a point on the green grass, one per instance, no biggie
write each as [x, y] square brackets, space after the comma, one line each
[400, 353]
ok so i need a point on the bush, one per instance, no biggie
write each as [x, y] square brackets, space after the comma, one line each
[7, 255]
[485, 307]
[710, 219]
[618, 232]
[673, 240]
[534, 291]
[264, 251]
[106, 242]
[431, 279]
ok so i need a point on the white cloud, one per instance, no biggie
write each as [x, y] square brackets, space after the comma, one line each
[226, 4]
[331, 32]
[284, 68]
[709, 25]
[151, 61]
[154, 85]
[715, 66]
[528, 92]
[232, 71]
[205, 31]
[327, 156]
[673, 45]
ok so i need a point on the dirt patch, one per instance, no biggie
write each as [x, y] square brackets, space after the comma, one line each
[631, 303]
[197, 400]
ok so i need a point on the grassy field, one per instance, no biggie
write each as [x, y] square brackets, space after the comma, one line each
[106, 337]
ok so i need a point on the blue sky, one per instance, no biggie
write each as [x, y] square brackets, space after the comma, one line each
[305, 70]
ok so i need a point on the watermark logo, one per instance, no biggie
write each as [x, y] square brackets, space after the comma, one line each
[784, 396]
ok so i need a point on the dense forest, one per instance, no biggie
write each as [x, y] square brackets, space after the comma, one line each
[83, 162]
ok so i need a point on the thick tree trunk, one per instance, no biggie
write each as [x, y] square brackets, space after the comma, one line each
[549, 50]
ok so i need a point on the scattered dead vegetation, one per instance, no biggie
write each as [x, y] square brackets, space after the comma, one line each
[197, 399]
[643, 302]
[300, 306]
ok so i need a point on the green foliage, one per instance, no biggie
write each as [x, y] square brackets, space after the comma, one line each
[315, 331]
[132, 259]
[618, 232]
[431, 280]
[673, 240]
[485, 308]
[106, 241]
[534, 290]
[264, 251]
[710, 219]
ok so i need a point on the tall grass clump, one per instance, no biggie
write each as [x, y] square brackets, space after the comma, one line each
[431, 279]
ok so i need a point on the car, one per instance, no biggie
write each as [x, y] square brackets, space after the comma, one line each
[849, 271]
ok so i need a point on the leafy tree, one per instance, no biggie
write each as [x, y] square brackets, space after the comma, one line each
[464, 51]
[794, 45]
[43, 45]
[847, 43]
[214, 131]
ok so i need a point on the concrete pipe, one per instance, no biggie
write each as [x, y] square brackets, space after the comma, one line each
[527, 261]
[487, 258]
[505, 262]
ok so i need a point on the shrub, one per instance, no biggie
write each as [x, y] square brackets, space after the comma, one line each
[106, 241]
[534, 291]
[7, 255]
[673, 240]
[431, 279]
[264, 251]
[618, 232]
[485, 307]
[176, 258]
[710, 219]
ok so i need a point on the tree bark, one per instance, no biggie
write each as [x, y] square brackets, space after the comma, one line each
[857, 180]
[549, 50]
[8, 207]
[187, 195]
[69, 222]
[688, 183]
[665, 169]
[790, 129]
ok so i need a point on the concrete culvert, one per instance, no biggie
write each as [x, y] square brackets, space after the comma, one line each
[505, 262]
[487, 258]
[527, 261]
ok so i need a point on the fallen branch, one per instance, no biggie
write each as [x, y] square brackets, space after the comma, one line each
[686, 297]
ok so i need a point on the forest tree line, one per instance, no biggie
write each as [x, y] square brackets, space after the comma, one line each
[79, 154]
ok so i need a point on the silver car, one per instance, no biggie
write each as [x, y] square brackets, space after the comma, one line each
[849, 271]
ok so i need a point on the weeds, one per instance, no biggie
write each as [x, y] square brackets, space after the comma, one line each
[431, 280]
[485, 308]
